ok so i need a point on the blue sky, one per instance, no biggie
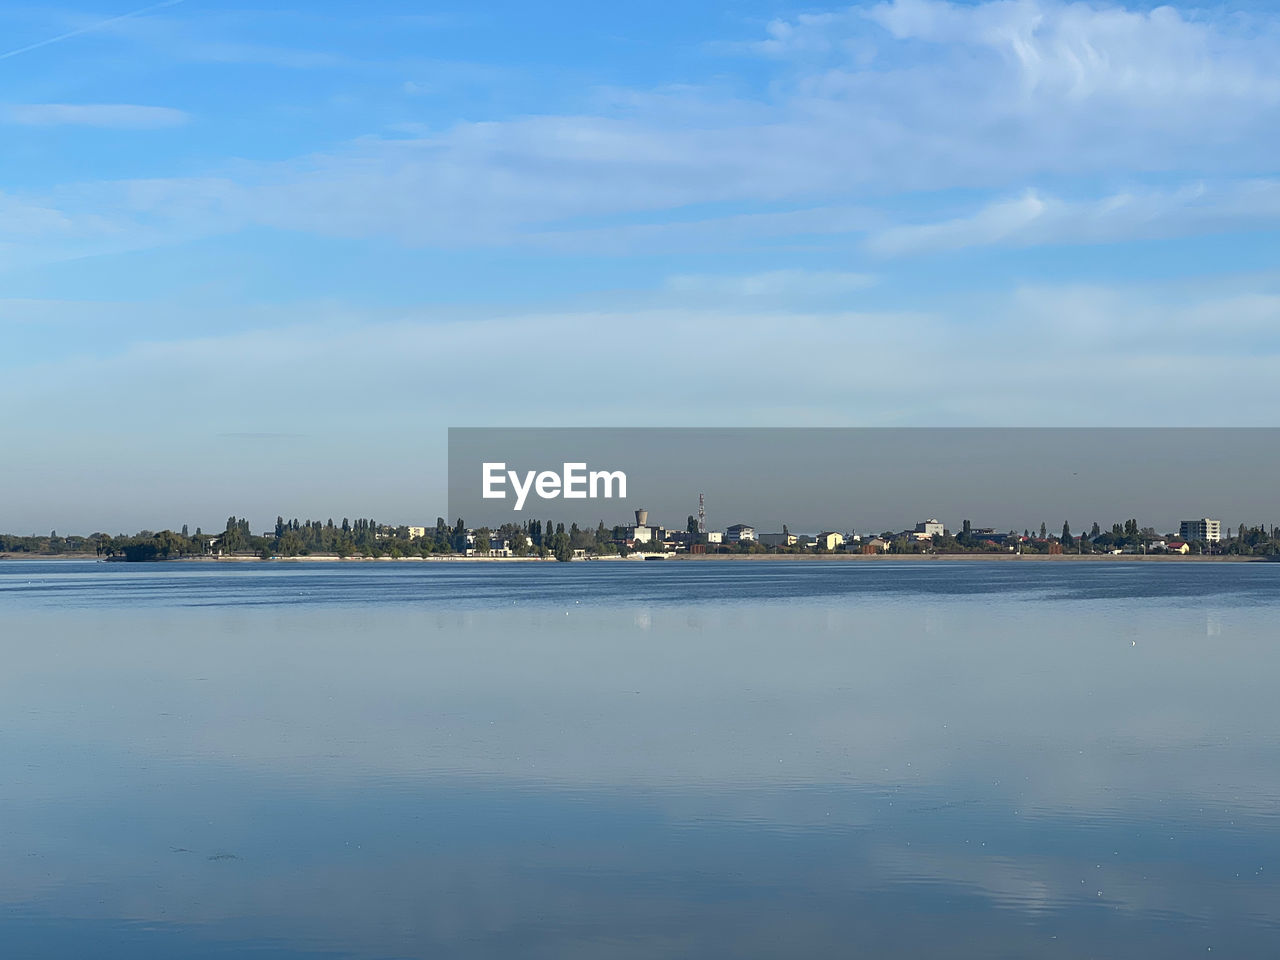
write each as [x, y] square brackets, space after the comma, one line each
[256, 259]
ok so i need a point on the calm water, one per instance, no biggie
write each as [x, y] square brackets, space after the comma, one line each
[639, 760]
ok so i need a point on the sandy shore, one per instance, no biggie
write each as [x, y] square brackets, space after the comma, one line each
[972, 557]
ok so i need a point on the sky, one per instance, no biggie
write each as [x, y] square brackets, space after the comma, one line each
[257, 259]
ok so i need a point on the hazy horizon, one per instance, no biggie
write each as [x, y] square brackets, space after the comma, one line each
[865, 480]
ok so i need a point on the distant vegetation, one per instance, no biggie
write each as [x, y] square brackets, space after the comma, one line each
[293, 538]
[367, 538]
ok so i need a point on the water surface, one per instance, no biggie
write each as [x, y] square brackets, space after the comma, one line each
[763, 759]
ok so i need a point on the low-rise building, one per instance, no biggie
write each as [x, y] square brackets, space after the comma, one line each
[778, 539]
[637, 533]
[829, 541]
[1177, 546]
[417, 532]
[740, 533]
[640, 531]
[876, 545]
[989, 534]
[931, 528]
[498, 547]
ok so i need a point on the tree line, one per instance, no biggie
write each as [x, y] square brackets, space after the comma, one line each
[365, 537]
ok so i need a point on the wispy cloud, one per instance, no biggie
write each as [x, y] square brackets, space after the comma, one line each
[116, 116]
[794, 286]
[903, 96]
[1036, 218]
[1085, 330]
[88, 28]
[1049, 355]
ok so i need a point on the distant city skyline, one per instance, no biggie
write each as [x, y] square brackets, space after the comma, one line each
[258, 259]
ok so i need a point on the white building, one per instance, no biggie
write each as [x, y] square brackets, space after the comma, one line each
[640, 531]
[740, 533]
[498, 547]
[931, 528]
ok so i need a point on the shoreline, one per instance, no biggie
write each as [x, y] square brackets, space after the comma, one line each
[971, 557]
[702, 558]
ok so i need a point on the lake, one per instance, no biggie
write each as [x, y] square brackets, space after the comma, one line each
[682, 759]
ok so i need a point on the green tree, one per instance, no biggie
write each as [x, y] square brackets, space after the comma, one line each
[289, 545]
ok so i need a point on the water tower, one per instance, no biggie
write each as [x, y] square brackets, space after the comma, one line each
[642, 518]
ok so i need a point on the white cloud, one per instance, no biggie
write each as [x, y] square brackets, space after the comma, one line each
[1081, 51]
[116, 116]
[1036, 218]
[910, 95]
[22, 219]
[714, 233]
[1037, 337]
[992, 224]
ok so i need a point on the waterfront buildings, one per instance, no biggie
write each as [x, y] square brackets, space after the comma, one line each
[1204, 530]
[641, 531]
